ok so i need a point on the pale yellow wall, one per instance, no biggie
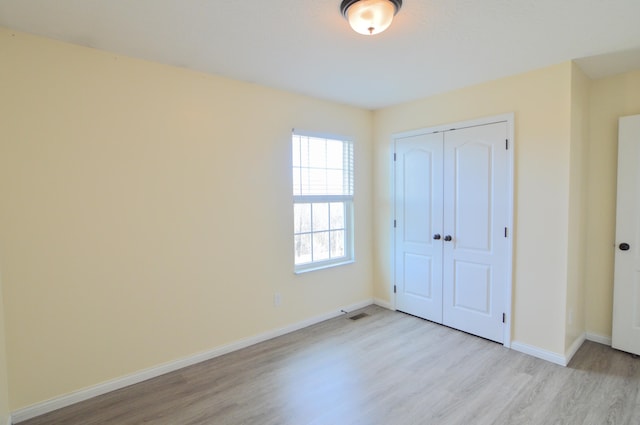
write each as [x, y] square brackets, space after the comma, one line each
[576, 250]
[146, 213]
[611, 98]
[146, 209]
[4, 391]
[541, 101]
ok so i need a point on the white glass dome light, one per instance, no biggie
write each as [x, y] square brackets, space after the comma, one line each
[369, 17]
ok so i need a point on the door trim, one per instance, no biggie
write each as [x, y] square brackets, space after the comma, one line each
[508, 118]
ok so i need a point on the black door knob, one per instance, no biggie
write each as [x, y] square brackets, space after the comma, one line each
[624, 246]
[437, 236]
[447, 238]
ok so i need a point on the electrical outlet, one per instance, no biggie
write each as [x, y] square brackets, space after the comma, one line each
[277, 299]
[571, 317]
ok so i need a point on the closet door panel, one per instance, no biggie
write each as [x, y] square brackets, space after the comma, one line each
[418, 203]
[475, 205]
[472, 175]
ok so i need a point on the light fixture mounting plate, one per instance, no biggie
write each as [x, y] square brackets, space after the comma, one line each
[346, 4]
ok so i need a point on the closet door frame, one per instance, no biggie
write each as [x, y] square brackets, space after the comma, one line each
[508, 118]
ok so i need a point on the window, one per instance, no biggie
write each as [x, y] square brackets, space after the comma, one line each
[322, 201]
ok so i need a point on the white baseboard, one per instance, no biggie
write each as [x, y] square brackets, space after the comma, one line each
[600, 339]
[562, 360]
[145, 374]
[574, 348]
[350, 308]
[539, 353]
[383, 304]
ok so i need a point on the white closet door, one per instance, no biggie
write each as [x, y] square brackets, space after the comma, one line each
[418, 203]
[475, 216]
[626, 297]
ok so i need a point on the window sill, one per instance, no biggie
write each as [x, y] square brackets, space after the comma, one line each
[315, 267]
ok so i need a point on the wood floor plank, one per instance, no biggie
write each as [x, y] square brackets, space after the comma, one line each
[386, 368]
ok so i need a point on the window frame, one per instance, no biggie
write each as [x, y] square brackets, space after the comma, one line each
[346, 199]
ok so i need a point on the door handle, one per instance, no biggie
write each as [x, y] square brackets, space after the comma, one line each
[437, 236]
[624, 246]
[447, 238]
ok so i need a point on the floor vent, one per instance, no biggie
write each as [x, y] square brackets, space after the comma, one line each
[358, 316]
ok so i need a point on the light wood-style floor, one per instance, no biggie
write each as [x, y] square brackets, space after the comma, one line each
[388, 368]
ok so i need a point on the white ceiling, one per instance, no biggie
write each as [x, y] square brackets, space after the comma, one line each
[306, 46]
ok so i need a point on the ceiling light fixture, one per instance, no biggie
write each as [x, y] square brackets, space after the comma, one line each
[370, 17]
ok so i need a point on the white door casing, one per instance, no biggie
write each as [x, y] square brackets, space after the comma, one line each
[626, 297]
[464, 282]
